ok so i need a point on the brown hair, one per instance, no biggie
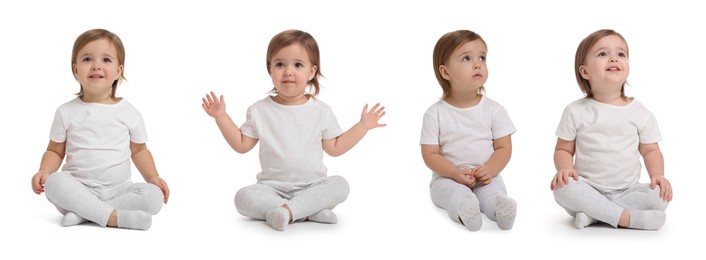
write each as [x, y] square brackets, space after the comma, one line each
[446, 45]
[289, 37]
[581, 53]
[97, 34]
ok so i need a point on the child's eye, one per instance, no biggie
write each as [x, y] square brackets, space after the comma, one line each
[87, 59]
[466, 58]
[482, 58]
[107, 60]
[279, 64]
[622, 54]
[299, 65]
[602, 54]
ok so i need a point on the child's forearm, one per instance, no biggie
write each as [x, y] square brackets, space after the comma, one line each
[440, 165]
[231, 133]
[563, 160]
[344, 142]
[51, 161]
[144, 162]
[498, 160]
[654, 162]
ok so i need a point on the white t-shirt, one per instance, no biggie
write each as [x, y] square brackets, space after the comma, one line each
[465, 135]
[98, 140]
[607, 139]
[291, 151]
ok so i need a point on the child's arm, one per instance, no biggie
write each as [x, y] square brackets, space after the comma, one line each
[344, 142]
[438, 164]
[564, 163]
[497, 162]
[144, 162]
[216, 108]
[654, 162]
[51, 160]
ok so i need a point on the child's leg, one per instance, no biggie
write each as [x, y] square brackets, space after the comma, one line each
[256, 200]
[325, 194]
[137, 196]
[458, 200]
[495, 203]
[642, 197]
[67, 193]
[644, 209]
[578, 196]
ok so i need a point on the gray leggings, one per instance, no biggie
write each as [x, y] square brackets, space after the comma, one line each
[68, 194]
[448, 194]
[256, 200]
[579, 196]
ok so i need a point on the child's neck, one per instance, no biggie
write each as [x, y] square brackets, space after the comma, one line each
[615, 99]
[294, 101]
[101, 99]
[463, 100]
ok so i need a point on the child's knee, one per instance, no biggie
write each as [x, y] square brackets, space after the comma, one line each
[655, 201]
[564, 193]
[341, 186]
[53, 183]
[154, 199]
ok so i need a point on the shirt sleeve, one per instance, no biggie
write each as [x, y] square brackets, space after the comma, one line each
[502, 124]
[331, 128]
[58, 128]
[249, 128]
[567, 127]
[649, 132]
[138, 131]
[430, 128]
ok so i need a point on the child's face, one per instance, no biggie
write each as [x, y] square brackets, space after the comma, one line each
[96, 67]
[291, 70]
[606, 67]
[466, 69]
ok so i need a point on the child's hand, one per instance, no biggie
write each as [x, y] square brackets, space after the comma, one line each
[159, 182]
[665, 188]
[562, 178]
[213, 106]
[465, 177]
[483, 174]
[38, 181]
[370, 119]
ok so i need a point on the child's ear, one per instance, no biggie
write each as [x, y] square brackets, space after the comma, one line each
[74, 69]
[120, 71]
[313, 72]
[444, 73]
[584, 72]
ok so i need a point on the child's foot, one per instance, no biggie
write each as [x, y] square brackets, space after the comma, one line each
[134, 219]
[647, 219]
[469, 213]
[278, 218]
[71, 219]
[324, 216]
[505, 212]
[582, 220]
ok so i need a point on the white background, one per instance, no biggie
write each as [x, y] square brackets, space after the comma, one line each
[370, 52]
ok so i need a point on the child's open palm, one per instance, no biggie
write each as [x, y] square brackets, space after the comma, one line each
[214, 106]
[370, 118]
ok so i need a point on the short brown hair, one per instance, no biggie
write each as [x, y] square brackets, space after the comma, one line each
[289, 37]
[97, 34]
[446, 45]
[581, 53]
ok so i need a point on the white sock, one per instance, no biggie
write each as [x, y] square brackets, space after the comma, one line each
[324, 216]
[134, 219]
[71, 219]
[278, 218]
[505, 211]
[647, 219]
[582, 220]
[469, 213]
